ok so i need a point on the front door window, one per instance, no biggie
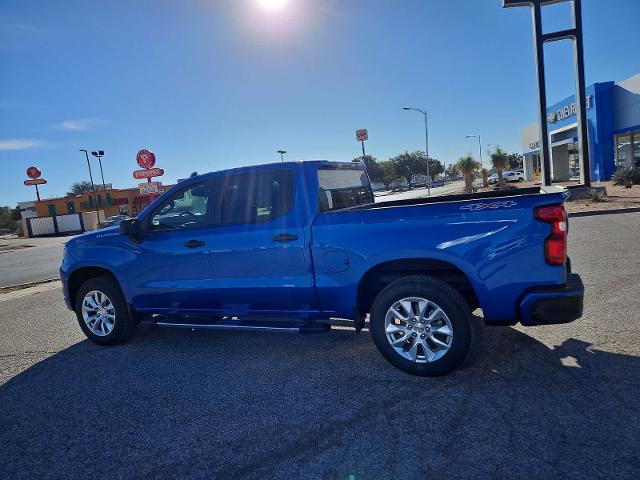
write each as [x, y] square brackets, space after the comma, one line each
[186, 209]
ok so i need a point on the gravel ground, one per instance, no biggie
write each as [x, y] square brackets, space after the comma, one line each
[550, 402]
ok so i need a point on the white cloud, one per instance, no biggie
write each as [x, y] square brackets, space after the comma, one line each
[19, 143]
[79, 124]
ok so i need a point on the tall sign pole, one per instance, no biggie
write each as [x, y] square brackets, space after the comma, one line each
[362, 135]
[93, 187]
[34, 175]
[147, 159]
[539, 39]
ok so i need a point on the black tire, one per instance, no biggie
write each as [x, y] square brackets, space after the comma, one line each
[521, 179]
[123, 326]
[465, 327]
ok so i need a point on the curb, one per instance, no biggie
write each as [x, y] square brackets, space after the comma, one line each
[22, 286]
[604, 212]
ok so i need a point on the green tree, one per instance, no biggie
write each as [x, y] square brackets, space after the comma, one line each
[435, 167]
[499, 161]
[405, 165]
[468, 165]
[386, 173]
[15, 213]
[79, 188]
[409, 164]
[452, 171]
[7, 222]
[514, 161]
[371, 163]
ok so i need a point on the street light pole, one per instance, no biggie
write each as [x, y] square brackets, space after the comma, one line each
[426, 137]
[100, 154]
[479, 147]
[282, 152]
[93, 187]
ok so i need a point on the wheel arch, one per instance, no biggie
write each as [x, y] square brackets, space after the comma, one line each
[382, 274]
[81, 275]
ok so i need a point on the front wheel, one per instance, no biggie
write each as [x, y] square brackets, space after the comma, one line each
[521, 179]
[423, 326]
[102, 311]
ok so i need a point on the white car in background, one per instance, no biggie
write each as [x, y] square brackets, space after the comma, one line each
[508, 176]
[513, 176]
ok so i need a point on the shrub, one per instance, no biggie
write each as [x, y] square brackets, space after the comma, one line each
[598, 195]
[624, 176]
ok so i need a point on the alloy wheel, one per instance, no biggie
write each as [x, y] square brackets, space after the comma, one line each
[98, 313]
[418, 329]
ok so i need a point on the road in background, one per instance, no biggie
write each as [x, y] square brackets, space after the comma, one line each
[559, 401]
[419, 192]
[30, 260]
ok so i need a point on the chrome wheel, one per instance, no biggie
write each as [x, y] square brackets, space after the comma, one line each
[98, 313]
[418, 330]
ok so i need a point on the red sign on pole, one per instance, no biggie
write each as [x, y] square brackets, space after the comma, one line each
[33, 172]
[35, 181]
[362, 135]
[146, 158]
[148, 173]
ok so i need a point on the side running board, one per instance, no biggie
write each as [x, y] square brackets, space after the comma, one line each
[258, 326]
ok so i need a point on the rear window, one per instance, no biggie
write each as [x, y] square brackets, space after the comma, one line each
[343, 187]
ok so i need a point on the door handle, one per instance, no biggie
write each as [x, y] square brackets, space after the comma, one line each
[285, 237]
[194, 244]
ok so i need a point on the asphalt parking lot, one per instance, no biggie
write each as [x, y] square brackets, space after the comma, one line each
[553, 402]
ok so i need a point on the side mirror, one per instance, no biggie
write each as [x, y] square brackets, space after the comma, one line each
[131, 228]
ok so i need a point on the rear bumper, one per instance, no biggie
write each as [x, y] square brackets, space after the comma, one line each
[552, 305]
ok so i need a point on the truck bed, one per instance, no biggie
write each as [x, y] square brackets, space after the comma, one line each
[451, 198]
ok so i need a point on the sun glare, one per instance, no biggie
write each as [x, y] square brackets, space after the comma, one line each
[272, 4]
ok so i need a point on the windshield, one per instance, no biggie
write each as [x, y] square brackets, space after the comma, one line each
[343, 187]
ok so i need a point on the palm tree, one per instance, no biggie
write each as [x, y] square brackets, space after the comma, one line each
[499, 160]
[467, 165]
[485, 177]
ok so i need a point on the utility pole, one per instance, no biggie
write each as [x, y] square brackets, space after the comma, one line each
[100, 154]
[426, 141]
[93, 187]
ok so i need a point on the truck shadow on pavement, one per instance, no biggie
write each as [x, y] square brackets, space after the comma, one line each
[243, 405]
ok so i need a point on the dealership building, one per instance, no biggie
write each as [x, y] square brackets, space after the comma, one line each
[613, 122]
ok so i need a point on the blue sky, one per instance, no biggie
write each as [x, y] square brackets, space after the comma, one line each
[210, 84]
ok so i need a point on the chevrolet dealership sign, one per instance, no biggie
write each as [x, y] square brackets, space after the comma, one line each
[567, 111]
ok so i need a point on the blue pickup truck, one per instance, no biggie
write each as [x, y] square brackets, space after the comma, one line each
[289, 245]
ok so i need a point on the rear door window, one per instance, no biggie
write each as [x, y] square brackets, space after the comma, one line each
[255, 197]
[343, 187]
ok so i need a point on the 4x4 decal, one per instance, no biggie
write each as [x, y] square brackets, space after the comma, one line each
[476, 207]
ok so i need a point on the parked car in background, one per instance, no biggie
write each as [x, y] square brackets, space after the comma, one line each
[254, 247]
[113, 221]
[513, 176]
[508, 176]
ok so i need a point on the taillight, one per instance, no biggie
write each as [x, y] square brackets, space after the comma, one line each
[555, 245]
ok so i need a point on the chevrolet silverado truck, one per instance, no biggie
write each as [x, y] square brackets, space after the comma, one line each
[253, 248]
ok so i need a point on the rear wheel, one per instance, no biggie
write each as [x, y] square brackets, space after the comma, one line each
[423, 326]
[102, 311]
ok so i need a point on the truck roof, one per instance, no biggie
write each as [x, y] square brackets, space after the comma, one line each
[275, 165]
